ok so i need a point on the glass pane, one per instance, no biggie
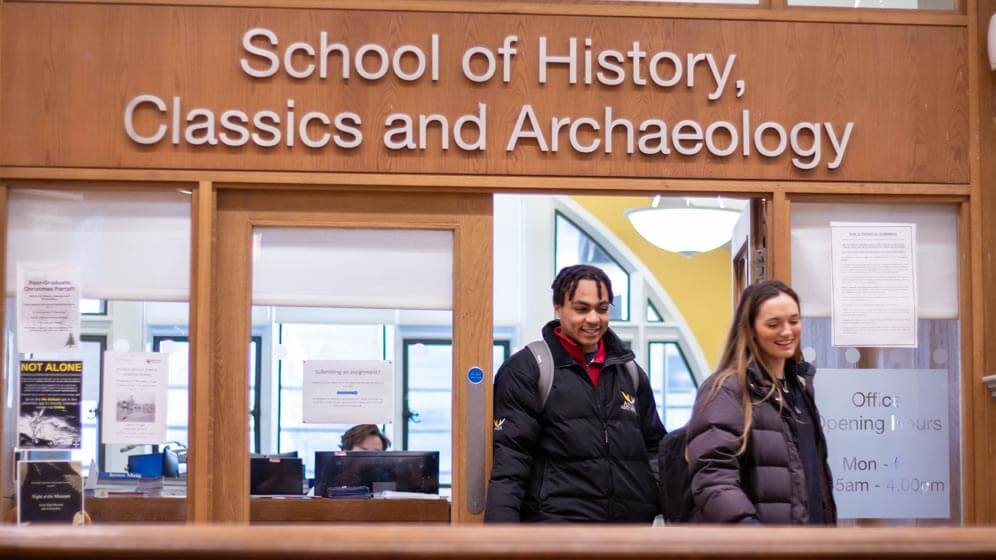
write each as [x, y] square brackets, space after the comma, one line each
[498, 356]
[93, 306]
[573, 246]
[119, 241]
[433, 409]
[176, 416]
[428, 400]
[673, 383]
[430, 366]
[435, 441]
[302, 342]
[652, 315]
[892, 416]
[888, 4]
[308, 440]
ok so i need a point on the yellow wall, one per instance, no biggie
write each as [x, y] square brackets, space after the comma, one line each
[698, 285]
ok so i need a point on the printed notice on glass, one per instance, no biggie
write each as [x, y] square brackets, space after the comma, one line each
[49, 492]
[887, 438]
[48, 307]
[49, 411]
[134, 399]
[348, 392]
[873, 284]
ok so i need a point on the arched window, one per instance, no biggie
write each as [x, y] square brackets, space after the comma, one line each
[642, 314]
[574, 246]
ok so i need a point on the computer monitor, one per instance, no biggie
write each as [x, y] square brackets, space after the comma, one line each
[155, 465]
[271, 476]
[404, 471]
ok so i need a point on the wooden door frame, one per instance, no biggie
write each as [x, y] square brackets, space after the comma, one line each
[239, 210]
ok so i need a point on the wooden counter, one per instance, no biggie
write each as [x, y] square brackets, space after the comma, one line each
[275, 510]
[224, 542]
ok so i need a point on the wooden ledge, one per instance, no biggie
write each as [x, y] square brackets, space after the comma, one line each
[505, 542]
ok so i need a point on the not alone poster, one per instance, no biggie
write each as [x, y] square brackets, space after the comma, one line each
[50, 394]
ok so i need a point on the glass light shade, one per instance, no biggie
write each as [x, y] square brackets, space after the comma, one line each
[686, 230]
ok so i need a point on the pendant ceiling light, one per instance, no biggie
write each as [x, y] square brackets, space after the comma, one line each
[686, 225]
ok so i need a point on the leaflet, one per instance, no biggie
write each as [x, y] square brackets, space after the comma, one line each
[49, 492]
[135, 397]
[48, 307]
[874, 284]
[49, 412]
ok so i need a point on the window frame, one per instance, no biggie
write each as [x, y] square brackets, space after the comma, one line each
[158, 339]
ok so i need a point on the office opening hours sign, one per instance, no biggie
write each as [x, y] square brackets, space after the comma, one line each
[887, 439]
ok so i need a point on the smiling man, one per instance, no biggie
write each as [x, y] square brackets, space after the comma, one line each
[583, 453]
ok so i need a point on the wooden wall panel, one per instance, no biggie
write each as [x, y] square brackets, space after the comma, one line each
[231, 324]
[473, 321]
[8, 429]
[200, 454]
[68, 71]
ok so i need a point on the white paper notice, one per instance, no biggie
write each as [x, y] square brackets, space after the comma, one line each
[348, 392]
[48, 307]
[887, 439]
[873, 284]
[133, 408]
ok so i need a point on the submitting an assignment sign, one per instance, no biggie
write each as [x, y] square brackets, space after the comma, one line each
[348, 392]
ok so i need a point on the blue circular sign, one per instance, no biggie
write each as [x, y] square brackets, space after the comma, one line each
[475, 375]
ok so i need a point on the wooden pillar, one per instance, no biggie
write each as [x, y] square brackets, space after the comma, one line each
[983, 96]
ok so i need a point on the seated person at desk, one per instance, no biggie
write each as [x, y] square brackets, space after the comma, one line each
[364, 437]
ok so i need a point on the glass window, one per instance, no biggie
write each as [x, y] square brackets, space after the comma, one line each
[673, 383]
[573, 246]
[300, 342]
[653, 316]
[428, 370]
[92, 347]
[887, 4]
[118, 240]
[892, 415]
[178, 348]
[93, 306]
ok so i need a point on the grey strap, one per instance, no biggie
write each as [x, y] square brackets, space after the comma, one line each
[544, 359]
[634, 375]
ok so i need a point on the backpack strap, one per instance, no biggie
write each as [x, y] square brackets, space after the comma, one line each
[544, 359]
[634, 374]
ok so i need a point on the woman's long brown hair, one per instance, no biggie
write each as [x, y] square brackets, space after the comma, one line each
[742, 350]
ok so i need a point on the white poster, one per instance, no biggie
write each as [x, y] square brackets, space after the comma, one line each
[887, 437]
[133, 407]
[48, 307]
[348, 392]
[873, 281]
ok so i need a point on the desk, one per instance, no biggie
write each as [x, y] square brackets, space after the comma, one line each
[270, 510]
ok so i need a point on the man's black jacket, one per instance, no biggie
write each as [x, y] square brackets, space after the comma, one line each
[586, 455]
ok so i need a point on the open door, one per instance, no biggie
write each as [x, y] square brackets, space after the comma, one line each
[749, 248]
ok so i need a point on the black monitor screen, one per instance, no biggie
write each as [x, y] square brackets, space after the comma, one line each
[275, 476]
[404, 471]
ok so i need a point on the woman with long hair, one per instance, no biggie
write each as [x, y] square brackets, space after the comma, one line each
[756, 450]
